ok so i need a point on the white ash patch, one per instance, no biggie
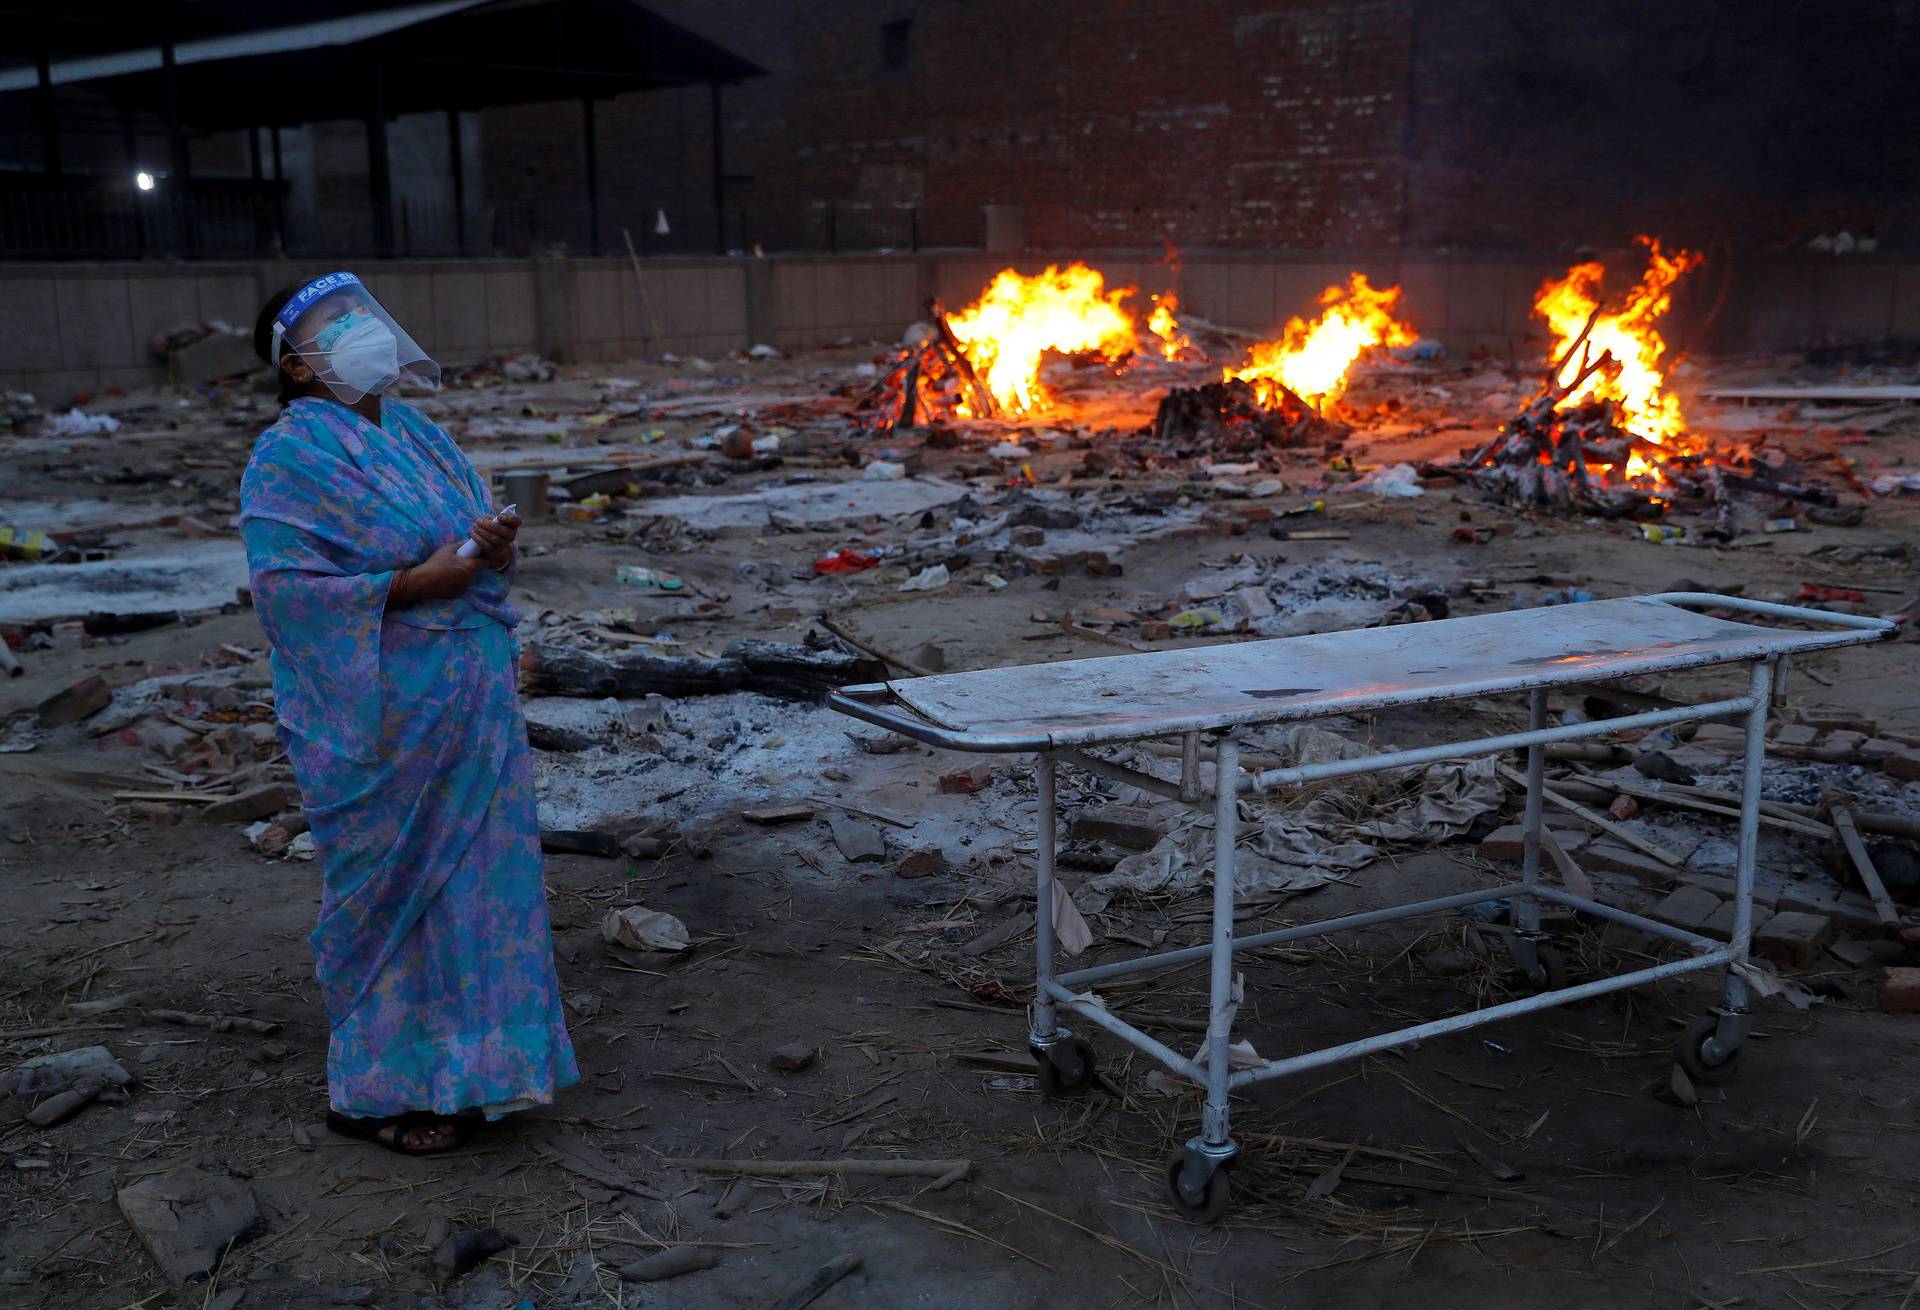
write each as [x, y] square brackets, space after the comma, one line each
[705, 758]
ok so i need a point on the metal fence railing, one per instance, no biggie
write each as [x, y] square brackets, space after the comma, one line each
[78, 216]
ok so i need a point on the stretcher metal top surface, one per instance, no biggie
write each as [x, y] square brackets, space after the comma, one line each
[1077, 702]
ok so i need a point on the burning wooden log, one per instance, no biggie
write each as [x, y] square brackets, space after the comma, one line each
[937, 364]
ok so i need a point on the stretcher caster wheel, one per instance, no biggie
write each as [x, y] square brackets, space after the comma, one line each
[1549, 970]
[1693, 1056]
[1204, 1204]
[1066, 1067]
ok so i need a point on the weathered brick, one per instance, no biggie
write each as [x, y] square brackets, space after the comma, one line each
[1616, 857]
[1848, 909]
[75, 701]
[1723, 888]
[1875, 750]
[1686, 907]
[1793, 940]
[1720, 923]
[1904, 764]
[924, 862]
[964, 782]
[1720, 737]
[1503, 843]
[1910, 939]
[255, 804]
[1794, 734]
[1900, 991]
[1123, 825]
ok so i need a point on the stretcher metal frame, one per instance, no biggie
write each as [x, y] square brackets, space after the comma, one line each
[1197, 1180]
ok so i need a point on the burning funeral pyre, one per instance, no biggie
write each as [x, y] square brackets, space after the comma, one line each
[1282, 394]
[1603, 434]
[985, 360]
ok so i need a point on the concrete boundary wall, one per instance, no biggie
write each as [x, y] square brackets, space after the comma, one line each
[66, 328]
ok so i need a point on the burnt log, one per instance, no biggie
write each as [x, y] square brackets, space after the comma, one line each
[773, 668]
[986, 406]
[1230, 414]
[1774, 487]
[543, 737]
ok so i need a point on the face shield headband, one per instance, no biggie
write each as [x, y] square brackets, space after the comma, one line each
[353, 345]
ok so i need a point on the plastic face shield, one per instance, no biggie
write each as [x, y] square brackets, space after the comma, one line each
[352, 344]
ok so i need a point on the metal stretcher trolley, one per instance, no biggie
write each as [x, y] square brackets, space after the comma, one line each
[1058, 711]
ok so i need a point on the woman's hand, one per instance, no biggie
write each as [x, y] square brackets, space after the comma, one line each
[443, 575]
[495, 536]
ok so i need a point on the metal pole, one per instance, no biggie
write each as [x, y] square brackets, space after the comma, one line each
[1214, 1126]
[593, 176]
[457, 158]
[719, 172]
[1759, 687]
[1526, 907]
[379, 167]
[279, 195]
[257, 171]
[133, 164]
[178, 184]
[48, 113]
[1046, 1025]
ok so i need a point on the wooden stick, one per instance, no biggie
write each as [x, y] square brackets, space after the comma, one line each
[910, 397]
[1863, 865]
[1572, 875]
[640, 285]
[1607, 826]
[988, 406]
[218, 1023]
[1553, 369]
[943, 1172]
[1687, 801]
[818, 1282]
[1458, 1185]
[845, 634]
[175, 797]
[670, 1263]
[620, 458]
[875, 815]
[1094, 634]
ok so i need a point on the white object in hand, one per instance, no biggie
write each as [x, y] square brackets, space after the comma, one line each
[469, 548]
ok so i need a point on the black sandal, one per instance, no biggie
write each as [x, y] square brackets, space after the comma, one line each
[370, 1130]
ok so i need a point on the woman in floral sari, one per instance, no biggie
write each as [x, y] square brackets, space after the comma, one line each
[393, 671]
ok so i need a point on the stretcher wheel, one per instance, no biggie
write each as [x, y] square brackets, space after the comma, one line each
[1550, 969]
[1066, 1068]
[1691, 1053]
[1210, 1203]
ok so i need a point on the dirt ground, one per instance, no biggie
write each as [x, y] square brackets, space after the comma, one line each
[1527, 1163]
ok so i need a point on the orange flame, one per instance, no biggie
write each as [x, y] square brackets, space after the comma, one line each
[1311, 359]
[1634, 381]
[1018, 319]
[1164, 325]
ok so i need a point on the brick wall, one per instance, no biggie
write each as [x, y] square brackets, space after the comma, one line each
[1486, 125]
[1210, 123]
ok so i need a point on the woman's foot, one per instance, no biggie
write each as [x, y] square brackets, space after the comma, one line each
[418, 1132]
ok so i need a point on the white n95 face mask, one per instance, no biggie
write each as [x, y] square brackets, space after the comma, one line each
[366, 357]
[353, 345]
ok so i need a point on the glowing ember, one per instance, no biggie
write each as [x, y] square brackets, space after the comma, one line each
[1311, 359]
[1018, 319]
[1164, 325]
[1633, 379]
